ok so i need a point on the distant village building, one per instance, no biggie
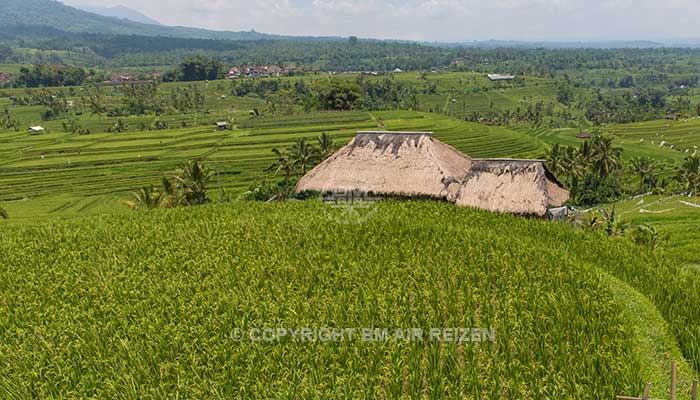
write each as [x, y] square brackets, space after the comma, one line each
[371, 73]
[266, 71]
[500, 77]
[398, 71]
[121, 78]
[584, 135]
[5, 78]
[461, 60]
[221, 126]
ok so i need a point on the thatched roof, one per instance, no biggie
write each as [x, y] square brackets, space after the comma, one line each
[516, 186]
[391, 163]
[416, 164]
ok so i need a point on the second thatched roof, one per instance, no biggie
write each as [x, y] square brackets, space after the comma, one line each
[391, 163]
[524, 187]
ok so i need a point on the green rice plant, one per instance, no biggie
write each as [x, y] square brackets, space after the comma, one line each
[152, 305]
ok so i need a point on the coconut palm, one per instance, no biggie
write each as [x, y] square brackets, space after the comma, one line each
[283, 164]
[326, 146]
[146, 198]
[303, 154]
[571, 164]
[643, 167]
[585, 153]
[255, 113]
[689, 173]
[191, 180]
[606, 157]
[169, 197]
[554, 160]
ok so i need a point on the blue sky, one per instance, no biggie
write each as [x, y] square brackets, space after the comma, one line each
[435, 20]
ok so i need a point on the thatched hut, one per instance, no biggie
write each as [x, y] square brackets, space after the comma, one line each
[523, 187]
[391, 164]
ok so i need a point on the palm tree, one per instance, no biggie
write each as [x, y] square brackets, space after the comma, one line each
[255, 113]
[169, 197]
[643, 167]
[145, 198]
[326, 145]
[606, 157]
[3, 214]
[585, 153]
[571, 164]
[303, 154]
[689, 173]
[554, 160]
[282, 164]
[191, 180]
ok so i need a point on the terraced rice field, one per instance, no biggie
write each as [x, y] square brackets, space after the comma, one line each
[679, 137]
[94, 170]
[631, 148]
[677, 217]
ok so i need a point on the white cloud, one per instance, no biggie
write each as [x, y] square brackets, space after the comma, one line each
[447, 20]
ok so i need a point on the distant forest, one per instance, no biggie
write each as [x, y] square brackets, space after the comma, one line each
[38, 44]
[45, 45]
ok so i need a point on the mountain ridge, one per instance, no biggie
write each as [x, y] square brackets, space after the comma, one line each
[57, 15]
[121, 12]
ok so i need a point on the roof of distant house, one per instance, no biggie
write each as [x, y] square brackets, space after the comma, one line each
[501, 77]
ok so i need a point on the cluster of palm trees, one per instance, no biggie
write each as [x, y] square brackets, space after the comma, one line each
[595, 172]
[589, 170]
[301, 157]
[598, 156]
[187, 188]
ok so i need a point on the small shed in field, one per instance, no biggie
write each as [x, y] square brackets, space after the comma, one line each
[36, 130]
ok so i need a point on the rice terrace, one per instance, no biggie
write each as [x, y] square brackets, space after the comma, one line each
[229, 214]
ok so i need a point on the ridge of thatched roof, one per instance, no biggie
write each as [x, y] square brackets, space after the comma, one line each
[511, 185]
[391, 163]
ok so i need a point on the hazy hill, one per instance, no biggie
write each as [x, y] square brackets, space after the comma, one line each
[56, 15]
[121, 12]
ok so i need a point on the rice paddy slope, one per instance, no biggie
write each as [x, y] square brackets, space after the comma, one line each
[152, 305]
[66, 174]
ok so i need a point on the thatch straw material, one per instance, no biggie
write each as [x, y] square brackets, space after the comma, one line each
[517, 186]
[391, 163]
[415, 164]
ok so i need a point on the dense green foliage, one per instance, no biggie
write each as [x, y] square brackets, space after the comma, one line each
[51, 75]
[199, 68]
[147, 305]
